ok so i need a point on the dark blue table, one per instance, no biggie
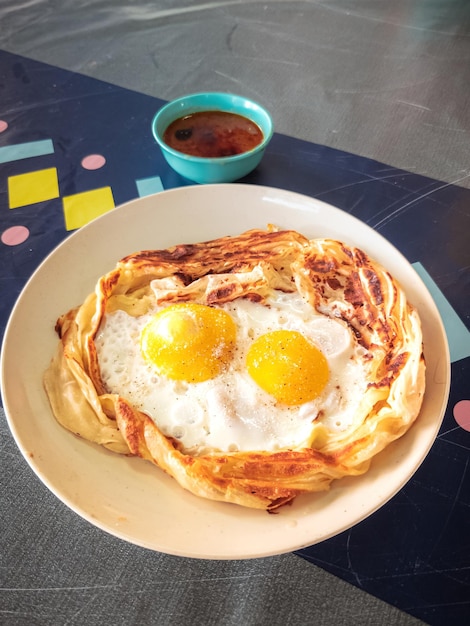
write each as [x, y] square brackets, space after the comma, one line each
[414, 552]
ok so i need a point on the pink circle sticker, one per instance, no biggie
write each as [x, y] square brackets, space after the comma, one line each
[3, 126]
[93, 161]
[462, 414]
[15, 235]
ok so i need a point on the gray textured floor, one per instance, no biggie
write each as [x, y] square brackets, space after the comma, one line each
[385, 80]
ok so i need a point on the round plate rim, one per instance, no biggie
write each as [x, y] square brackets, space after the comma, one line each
[292, 533]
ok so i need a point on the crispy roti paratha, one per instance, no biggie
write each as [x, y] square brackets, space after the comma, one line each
[335, 279]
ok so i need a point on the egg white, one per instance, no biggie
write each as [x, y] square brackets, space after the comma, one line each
[230, 412]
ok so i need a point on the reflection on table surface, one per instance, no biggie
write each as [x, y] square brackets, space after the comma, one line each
[370, 105]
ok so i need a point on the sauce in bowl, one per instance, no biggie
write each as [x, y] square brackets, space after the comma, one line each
[213, 134]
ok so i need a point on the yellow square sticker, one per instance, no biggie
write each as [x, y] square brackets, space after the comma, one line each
[33, 187]
[84, 207]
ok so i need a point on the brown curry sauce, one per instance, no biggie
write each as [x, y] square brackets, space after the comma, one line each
[213, 134]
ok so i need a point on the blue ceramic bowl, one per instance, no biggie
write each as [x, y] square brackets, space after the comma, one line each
[212, 169]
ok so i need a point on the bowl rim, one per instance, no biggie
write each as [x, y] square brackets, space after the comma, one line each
[211, 160]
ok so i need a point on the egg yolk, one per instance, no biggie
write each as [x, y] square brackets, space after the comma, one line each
[288, 366]
[188, 341]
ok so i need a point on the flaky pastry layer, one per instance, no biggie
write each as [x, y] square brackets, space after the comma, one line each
[337, 280]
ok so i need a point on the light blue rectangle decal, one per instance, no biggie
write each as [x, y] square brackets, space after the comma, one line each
[26, 150]
[457, 333]
[148, 186]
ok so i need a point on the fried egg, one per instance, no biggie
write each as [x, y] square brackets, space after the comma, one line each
[239, 376]
[251, 368]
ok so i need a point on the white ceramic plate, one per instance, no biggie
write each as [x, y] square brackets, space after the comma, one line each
[131, 498]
